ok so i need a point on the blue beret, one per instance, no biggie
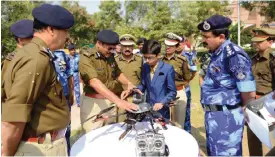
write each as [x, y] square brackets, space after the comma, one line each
[71, 46]
[22, 28]
[108, 37]
[215, 22]
[53, 15]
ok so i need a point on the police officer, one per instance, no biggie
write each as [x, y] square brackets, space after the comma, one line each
[118, 50]
[261, 68]
[74, 62]
[191, 57]
[182, 72]
[35, 113]
[140, 43]
[130, 64]
[228, 84]
[22, 31]
[101, 76]
[65, 77]
[204, 60]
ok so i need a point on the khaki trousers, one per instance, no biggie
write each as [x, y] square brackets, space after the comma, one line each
[48, 148]
[177, 113]
[90, 107]
[255, 146]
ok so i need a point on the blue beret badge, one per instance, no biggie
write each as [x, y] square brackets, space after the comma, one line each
[206, 26]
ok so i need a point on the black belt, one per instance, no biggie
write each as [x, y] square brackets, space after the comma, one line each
[220, 107]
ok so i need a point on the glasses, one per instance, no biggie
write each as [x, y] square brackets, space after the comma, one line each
[149, 58]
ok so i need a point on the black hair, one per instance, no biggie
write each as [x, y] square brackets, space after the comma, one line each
[38, 26]
[16, 39]
[151, 47]
[217, 32]
[141, 40]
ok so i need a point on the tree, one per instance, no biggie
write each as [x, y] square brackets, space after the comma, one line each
[246, 34]
[108, 16]
[83, 31]
[266, 8]
[12, 11]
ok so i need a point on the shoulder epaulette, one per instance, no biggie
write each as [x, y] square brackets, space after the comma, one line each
[87, 52]
[10, 56]
[181, 57]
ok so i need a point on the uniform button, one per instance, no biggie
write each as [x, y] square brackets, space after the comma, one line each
[32, 81]
[30, 73]
[37, 74]
[55, 93]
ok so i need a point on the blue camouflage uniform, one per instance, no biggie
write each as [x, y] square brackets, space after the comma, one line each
[64, 72]
[191, 57]
[229, 73]
[74, 61]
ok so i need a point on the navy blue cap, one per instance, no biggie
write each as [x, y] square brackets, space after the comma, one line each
[215, 22]
[71, 46]
[22, 28]
[108, 37]
[53, 15]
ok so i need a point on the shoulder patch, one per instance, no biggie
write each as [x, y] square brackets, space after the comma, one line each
[10, 56]
[86, 52]
[183, 58]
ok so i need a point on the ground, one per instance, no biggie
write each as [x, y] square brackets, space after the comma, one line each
[197, 121]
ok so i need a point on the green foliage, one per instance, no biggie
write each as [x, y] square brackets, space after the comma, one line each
[246, 34]
[109, 15]
[266, 8]
[83, 31]
[12, 11]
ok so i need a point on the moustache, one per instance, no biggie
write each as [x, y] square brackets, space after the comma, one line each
[127, 51]
[204, 44]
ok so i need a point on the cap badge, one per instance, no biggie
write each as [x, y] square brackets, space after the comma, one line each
[206, 26]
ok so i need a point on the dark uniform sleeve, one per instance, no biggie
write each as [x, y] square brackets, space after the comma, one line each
[240, 68]
[86, 69]
[28, 80]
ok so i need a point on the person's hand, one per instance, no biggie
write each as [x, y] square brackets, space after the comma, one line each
[127, 106]
[125, 94]
[131, 86]
[71, 99]
[157, 106]
[246, 118]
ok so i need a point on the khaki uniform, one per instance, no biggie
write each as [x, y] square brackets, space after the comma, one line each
[36, 97]
[132, 70]
[263, 76]
[183, 76]
[93, 65]
[262, 72]
[4, 66]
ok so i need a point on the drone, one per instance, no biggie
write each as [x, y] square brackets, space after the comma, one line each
[150, 143]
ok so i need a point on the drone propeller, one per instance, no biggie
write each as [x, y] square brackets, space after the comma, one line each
[99, 115]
